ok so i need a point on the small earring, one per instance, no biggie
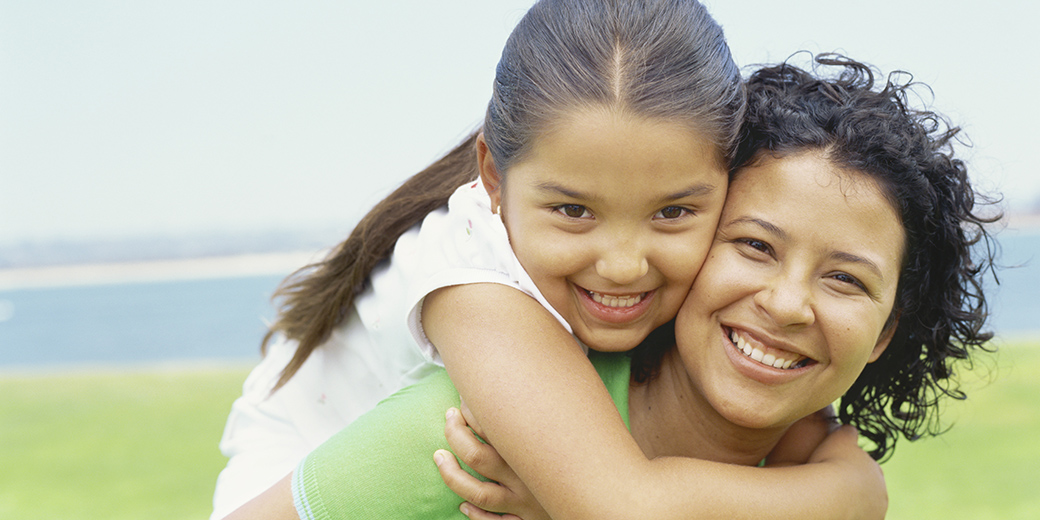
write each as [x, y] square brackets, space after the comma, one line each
[495, 209]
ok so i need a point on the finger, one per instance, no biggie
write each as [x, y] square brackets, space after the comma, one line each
[471, 421]
[801, 439]
[488, 496]
[846, 433]
[840, 443]
[476, 513]
[483, 458]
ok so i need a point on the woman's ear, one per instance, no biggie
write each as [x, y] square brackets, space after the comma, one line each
[885, 339]
[489, 176]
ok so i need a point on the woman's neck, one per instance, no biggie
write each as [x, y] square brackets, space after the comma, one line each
[669, 417]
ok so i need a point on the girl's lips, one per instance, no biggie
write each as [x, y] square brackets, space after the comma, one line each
[615, 308]
[616, 301]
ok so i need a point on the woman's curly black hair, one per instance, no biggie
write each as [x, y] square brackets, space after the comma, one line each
[940, 306]
[840, 109]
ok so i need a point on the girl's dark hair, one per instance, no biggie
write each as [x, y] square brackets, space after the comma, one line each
[314, 298]
[652, 58]
[940, 309]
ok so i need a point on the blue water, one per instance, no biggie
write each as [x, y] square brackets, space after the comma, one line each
[136, 322]
[1015, 307]
[223, 319]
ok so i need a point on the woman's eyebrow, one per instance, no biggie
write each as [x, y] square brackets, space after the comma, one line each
[769, 227]
[843, 256]
[856, 259]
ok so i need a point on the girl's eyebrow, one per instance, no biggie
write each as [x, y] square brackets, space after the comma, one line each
[696, 190]
[553, 187]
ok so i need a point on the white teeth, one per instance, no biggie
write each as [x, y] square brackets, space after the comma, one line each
[615, 301]
[757, 354]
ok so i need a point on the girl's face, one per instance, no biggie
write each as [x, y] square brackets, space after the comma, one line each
[793, 299]
[612, 215]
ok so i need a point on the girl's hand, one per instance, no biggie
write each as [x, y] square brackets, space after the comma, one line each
[802, 438]
[819, 438]
[506, 494]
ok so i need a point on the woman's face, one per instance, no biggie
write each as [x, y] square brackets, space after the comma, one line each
[612, 215]
[793, 298]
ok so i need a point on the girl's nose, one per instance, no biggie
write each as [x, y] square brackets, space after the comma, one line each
[622, 266]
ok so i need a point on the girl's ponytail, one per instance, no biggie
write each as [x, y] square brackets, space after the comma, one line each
[314, 298]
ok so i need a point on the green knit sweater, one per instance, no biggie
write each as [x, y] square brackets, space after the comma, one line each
[381, 466]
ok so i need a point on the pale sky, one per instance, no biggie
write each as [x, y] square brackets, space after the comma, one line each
[172, 117]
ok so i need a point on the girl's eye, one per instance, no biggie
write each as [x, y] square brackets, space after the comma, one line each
[573, 210]
[671, 213]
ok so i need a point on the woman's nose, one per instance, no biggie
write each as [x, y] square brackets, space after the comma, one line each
[788, 301]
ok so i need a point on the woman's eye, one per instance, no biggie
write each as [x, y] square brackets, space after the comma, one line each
[671, 212]
[849, 279]
[573, 210]
[757, 245]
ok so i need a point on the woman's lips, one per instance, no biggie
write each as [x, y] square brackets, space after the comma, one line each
[768, 356]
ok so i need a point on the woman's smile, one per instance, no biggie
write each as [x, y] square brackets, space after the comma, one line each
[772, 357]
[795, 296]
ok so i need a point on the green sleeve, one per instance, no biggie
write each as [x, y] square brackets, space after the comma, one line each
[381, 466]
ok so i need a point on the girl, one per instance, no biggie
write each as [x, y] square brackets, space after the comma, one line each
[602, 167]
[870, 293]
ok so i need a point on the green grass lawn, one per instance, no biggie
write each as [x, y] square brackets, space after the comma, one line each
[144, 445]
[139, 445]
[987, 466]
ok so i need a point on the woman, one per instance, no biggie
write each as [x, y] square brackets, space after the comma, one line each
[843, 267]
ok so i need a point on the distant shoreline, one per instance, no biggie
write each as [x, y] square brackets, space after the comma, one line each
[242, 265]
[159, 270]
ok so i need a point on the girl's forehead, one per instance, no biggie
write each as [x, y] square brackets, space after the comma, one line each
[613, 129]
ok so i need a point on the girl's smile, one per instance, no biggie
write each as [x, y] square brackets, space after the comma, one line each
[611, 215]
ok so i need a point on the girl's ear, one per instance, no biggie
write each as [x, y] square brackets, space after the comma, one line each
[489, 176]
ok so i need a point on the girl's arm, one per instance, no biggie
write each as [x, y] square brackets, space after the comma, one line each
[544, 408]
[504, 492]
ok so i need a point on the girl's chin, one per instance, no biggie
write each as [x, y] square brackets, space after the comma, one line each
[612, 340]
